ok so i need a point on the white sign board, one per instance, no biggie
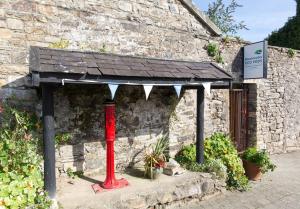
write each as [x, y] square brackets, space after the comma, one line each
[255, 60]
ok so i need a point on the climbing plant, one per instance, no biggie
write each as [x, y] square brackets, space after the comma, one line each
[21, 178]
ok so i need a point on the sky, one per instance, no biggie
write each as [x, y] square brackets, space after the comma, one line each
[261, 16]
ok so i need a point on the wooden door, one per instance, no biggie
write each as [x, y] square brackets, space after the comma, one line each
[239, 118]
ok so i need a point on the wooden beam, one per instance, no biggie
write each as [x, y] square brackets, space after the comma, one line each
[200, 126]
[48, 140]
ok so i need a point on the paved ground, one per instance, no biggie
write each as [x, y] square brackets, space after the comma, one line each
[278, 190]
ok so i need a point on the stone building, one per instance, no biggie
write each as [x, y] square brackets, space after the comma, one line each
[165, 29]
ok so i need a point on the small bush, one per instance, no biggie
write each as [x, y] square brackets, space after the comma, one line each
[259, 158]
[212, 49]
[291, 53]
[21, 179]
[219, 151]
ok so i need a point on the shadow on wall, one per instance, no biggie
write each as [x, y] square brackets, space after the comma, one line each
[79, 110]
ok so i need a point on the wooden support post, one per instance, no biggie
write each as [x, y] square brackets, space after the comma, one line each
[200, 126]
[48, 140]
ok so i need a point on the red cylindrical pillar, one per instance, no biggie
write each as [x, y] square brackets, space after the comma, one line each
[110, 134]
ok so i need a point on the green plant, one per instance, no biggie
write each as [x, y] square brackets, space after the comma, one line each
[61, 44]
[155, 157]
[220, 146]
[103, 49]
[62, 138]
[223, 16]
[289, 35]
[291, 53]
[21, 179]
[212, 49]
[73, 174]
[218, 152]
[259, 158]
[219, 58]
[226, 39]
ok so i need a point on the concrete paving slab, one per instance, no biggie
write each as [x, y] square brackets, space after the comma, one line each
[277, 190]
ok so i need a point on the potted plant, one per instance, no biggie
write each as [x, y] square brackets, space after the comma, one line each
[256, 162]
[155, 158]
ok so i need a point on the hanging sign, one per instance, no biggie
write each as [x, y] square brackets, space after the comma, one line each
[256, 60]
[113, 88]
[178, 89]
[147, 89]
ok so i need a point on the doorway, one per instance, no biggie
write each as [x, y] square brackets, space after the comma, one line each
[239, 117]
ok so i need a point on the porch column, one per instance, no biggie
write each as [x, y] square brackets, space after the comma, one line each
[200, 126]
[48, 140]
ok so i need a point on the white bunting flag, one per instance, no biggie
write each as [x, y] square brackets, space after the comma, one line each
[207, 86]
[178, 89]
[113, 88]
[147, 89]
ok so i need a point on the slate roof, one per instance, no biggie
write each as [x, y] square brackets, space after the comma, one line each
[112, 66]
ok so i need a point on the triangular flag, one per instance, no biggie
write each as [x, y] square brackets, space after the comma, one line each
[113, 88]
[147, 89]
[207, 86]
[178, 89]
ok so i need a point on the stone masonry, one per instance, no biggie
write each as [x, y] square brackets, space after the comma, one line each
[150, 28]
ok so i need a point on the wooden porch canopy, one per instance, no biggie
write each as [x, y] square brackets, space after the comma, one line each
[52, 66]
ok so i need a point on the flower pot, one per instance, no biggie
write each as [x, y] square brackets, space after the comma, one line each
[155, 173]
[253, 171]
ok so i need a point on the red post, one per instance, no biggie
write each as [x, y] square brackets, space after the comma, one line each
[110, 134]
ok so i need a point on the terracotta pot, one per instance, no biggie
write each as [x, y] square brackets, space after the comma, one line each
[253, 172]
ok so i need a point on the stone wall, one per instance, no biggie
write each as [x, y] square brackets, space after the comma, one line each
[273, 102]
[278, 114]
[151, 28]
[161, 28]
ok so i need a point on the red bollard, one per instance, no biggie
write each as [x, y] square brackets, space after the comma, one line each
[110, 134]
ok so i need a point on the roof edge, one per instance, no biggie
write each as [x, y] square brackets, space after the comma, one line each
[202, 17]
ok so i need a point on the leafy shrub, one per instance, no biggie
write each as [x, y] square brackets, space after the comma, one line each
[259, 158]
[21, 179]
[213, 50]
[291, 53]
[218, 151]
[289, 35]
[220, 146]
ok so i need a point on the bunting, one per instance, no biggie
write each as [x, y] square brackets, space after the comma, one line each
[147, 89]
[113, 88]
[178, 89]
[207, 87]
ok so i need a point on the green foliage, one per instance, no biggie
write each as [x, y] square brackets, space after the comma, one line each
[291, 53]
[73, 174]
[61, 44]
[214, 51]
[259, 158]
[103, 49]
[289, 35]
[219, 58]
[222, 16]
[62, 138]
[220, 146]
[155, 157]
[21, 179]
[220, 156]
